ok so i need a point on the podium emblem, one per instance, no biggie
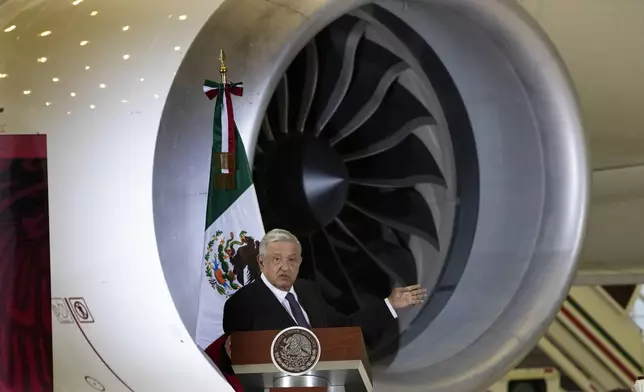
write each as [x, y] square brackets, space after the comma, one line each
[295, 351]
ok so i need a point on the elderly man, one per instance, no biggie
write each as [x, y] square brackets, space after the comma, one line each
[280, 300]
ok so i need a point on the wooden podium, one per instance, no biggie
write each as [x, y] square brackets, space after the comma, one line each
[343, 364]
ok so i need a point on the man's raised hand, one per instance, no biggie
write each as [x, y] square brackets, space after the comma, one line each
[402, 297]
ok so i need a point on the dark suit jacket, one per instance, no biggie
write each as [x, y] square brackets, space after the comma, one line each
[255, 308]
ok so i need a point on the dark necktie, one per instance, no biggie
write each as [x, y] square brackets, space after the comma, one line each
[298, 314]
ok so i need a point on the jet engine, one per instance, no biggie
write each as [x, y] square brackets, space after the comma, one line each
[436, 142]
[429, 141]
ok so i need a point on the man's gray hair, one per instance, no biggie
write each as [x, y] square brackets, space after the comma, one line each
[278, 235]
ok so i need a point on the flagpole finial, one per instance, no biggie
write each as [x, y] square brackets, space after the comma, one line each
[222, 66]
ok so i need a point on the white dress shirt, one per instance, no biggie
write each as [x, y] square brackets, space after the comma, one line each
[281, 297]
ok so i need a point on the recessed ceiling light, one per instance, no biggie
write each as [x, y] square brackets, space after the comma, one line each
[93, 13]
[126, 56]
[55, 80]
[142, 79]
[102, 85]
[10, 28]
[86, 67]
[92, 107]
[27, 92]
[42, 60]
[73, 94]
[83, 43]
[45, 33]
[126, 28]
[2, 76]
[183, 17]
[77, 2]
[48, 103]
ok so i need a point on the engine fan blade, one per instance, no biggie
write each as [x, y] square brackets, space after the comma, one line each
[283, 101]
[332, 268]
[401, 258]
[382, 242]
[275, 125]
[407, 164]
[309, 268]
[366, 276]
[266, 136]
[391, 269]
[303, 80]
[402, 209]
[342, 245]
[397, 117]
[340, 42]
[373, 63]
[372, 104]
[330, 292]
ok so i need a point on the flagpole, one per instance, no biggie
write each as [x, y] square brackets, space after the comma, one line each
[225, 179]
[222, 67]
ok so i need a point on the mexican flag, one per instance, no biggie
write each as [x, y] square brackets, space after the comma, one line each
[233, 220]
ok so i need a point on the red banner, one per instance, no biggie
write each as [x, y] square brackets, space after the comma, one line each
[26, 363]
[23, 146]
